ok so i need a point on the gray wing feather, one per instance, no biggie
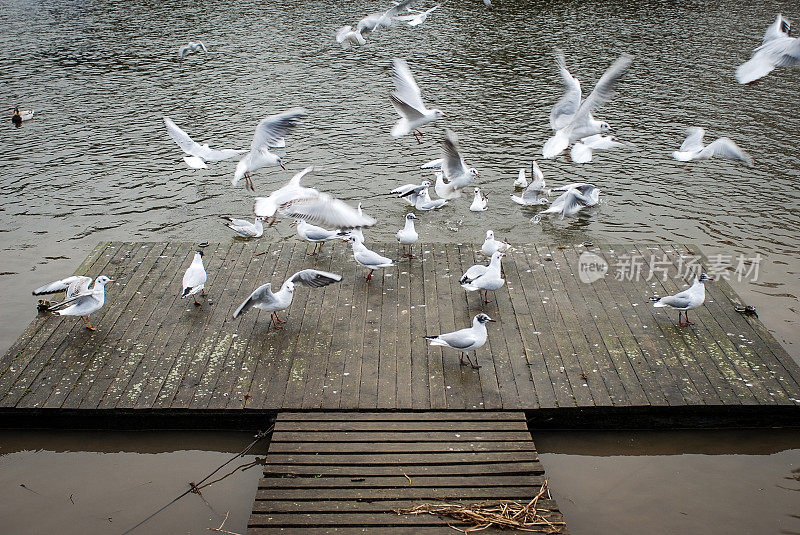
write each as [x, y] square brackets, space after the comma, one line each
[327, 211]
[64, 285]
[452, 164]
[458, 339]
[604, 90]
[262, 294]
[274, 127]
[315, 278]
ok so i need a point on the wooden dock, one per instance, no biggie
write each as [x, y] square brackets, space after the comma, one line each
[558, 342]
[341, 472]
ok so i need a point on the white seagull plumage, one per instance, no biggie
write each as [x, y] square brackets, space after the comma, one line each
[407, 101]
[536, 192]
[408, 236]
[492, 245]
[367, 258]
[244, 228]
[190, 48]
[264, 299]
[692, 148]
[415, 18]
[347, 37]
[455, 169]
[266, 207]
[80, 300]
[581, 151]
[480, 202]
[322, 209]
[571, 117]
[268, 133]
[425, 203]
[194, 280]
[316, 235]
[686, 300]
[409, 192]
[575, 198]
[778, 49]
[465, 340]
[198, 154]
[480, 277]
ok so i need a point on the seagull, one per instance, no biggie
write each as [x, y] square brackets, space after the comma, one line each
[445, 190]
[575, 198]
[433, 164]
[198, 154]
[367, 258]
[18, 116]
[407, 101]
[686, 300]
[263, 298]
[571, 117]
[79, 300]
[266, 207]
[692, 148]
[268, 131]
[323, 209]
[491, 245]
[316, 235]
[408, 236]
[480, 202]
[357, 231]
[194, 280]
[777, 49]
[425, 203]
[409, 192]
[465, 340]
[415, 18]
[536, 192]
[480, 277]
[383, 19]
[347, 37]
[581, 151]
[455, 169]
[190, 48]
[245, 229]
[521, 181]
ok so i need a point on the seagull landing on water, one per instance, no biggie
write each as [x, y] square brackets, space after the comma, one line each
[268, 134]
[79, 300]
[415, 17]
[686, 300]
[575, 198]
[263, 298]
[194, 280]
[480, 277]
[190, 48]
[244, 228]
[367, 258]
[409, 192]
[536, 192]
[198, 154]
[408, 236]
[465, 340]
[581, 151]
[777, 49]
[407, 101]
[571, 117]
[693, 149]
[456, 173]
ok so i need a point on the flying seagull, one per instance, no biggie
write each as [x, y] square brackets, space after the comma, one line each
[198, 154]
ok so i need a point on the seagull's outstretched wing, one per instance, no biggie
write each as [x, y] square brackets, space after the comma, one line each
[322, 209]
[406, 88]
[314, 278]
[694, 140]
[778, 52]
[274, 127]
[452, 163]
[73, 286]
[569, 103]
[779, 28]
[190, 147]
[725, 148]
[604, 89]
[262, 295]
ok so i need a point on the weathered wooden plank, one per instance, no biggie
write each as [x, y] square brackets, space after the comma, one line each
[362, 470]
[348, 530]
[462, 383]
[357, 436]
[441, 457]
[435, 324]
[351, 376]
[372, 341]
[398, 426]
[454, 416]
[323, 506]
[420, 375]
[403, 332]
[418, 493]
[398, 480]
[378, 446]
[386, 397]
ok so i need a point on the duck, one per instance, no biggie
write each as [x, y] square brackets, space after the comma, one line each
[480, 202]
[687, 300]
[18, 116]
[408, 236]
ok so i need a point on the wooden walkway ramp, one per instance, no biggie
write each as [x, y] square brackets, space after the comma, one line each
[338, 472]
[557, 343]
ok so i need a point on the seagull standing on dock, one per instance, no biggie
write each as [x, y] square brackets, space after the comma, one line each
[194, 280]
[79, 299]
[407, 101]
[316, 235]
[465, 340]
[687, 300]
[263, 298]
[244, 228]
[408, 236]
[367, 258]
[491, 245]
[480, 277]
[268, 134]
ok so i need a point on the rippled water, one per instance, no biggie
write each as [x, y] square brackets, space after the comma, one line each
[96, 163]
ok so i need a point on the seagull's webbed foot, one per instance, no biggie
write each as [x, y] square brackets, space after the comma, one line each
[461, 362]
[486, 300]
[369, 275]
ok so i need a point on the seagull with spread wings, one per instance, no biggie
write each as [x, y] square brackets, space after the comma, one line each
[456, 173]
[778, 49]
[264, 299]
[268, 133]
[407, 101]
[692, 148]
[198, 154]
[79, 300]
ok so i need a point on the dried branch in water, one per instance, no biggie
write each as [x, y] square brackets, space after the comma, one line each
[504, 514]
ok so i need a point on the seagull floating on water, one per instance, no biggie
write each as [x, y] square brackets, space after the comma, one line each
[244, 228]
[491, 245]
[536, 192]
[194, 280]
[777, 49]
[465, 340]
[480, 202]
[367, 258]
[686, 300]
[264, 299]
[407, 101]
[408, 236]
[425, 203]
[79, 300]
[268, 132]
[571, 117]
[692, 148]
[190, 48]
[198, 154]
[480, 277]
